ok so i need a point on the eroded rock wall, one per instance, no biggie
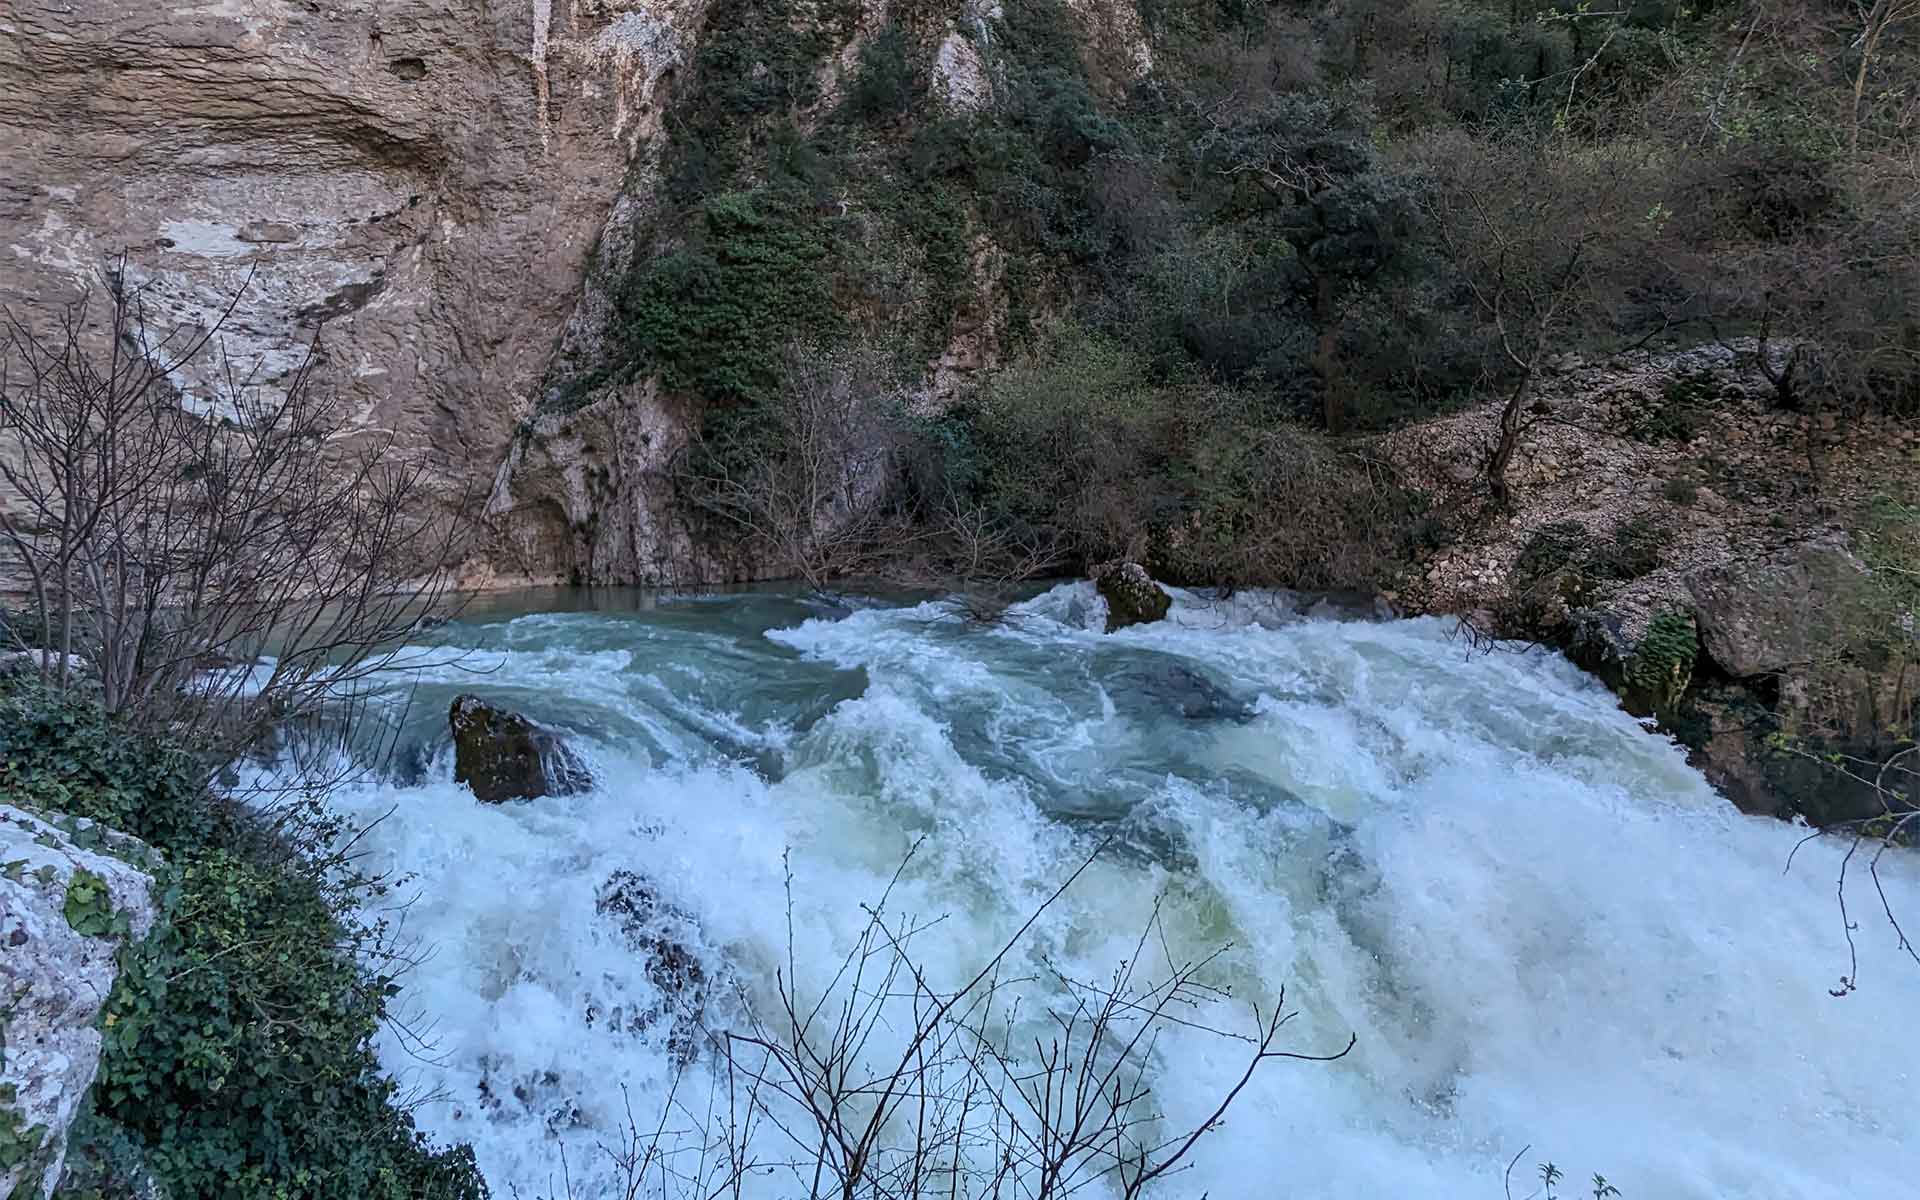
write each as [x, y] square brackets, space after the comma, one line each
[424, 178]
[444, 190]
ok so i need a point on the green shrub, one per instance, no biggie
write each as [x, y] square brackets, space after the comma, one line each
[238, 1058]
[757, 63]
[1682, 411]
[89, 907]
[59, 752]
[1566, 553]
[714, 316]
[1633, 552]
[885, 82]
[1554, 547]
[238, 1048]
[1200, 480]
[19, 1142]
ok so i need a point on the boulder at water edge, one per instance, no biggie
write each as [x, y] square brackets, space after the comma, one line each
[1132, 597]
[501, 755]
[70, 898]
[1766, 615]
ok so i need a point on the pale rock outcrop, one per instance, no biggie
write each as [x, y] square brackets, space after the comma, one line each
[587, 496]
[450, 187]
[960, 74]
[1113, 41]
[71, 895]
[976, 328]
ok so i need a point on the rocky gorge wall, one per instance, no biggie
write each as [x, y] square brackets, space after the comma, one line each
[424, 178]
[446, 188]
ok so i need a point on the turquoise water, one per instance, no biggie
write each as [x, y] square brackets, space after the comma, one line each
[1542, 927]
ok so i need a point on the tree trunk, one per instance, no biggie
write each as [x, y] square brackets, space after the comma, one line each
[1508, 441]
[1326, 350]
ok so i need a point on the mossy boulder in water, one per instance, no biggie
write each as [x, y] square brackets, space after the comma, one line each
[501, 755]
[1132, 597]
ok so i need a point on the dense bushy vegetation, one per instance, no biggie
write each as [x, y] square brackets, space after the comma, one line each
[238, 1057]
[1303, 217]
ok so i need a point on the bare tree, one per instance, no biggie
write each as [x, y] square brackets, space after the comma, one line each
[1876, 21]
[1895, 781]
[1523, 241]
[979, 562]
[214, 567]
[883, 1085]
[807, 475]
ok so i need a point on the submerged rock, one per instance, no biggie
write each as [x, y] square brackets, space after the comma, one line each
[1132, 597]
[1170, 685]
[70, 898]
[659, 932]
[501, 755]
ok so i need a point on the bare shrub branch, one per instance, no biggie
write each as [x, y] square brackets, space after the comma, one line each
[214, 566]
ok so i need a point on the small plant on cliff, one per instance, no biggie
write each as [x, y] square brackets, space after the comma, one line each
[885, 83]
[1553, 547]
[89, 906]
[1662, 665]
[19, 1142]
[713, 316]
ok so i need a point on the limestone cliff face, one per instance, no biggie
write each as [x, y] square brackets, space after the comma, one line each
[425, 177]
[442, 187]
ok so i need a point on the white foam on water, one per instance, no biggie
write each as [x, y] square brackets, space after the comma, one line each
[1544, 929]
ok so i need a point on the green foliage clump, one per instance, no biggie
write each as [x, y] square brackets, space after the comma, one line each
[238, 1048]
[885, 83]
[714, 316]
[61, 754]
[1553, 547]
[89, 907]
[1634, 551]
[1680, 490]
[19, 1142]
[1662, 664]
[1682, 411]
[1566, 548]
[238, 1058]
[757, 63]
[1196, 479]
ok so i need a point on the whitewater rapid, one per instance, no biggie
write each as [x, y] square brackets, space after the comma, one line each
[1543, 928]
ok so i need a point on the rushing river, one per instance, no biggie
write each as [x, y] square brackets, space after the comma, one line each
[1544, 929]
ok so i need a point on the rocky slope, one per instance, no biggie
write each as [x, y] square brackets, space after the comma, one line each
[1667, 494]
[450, 188]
